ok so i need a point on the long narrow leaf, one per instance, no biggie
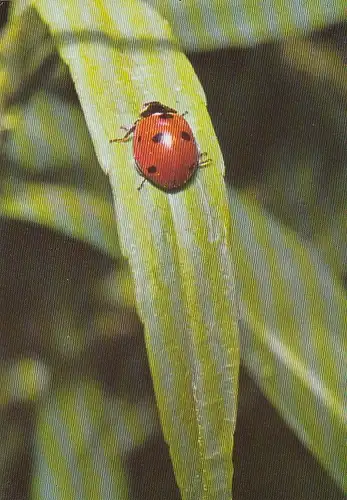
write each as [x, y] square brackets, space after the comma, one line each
[212, 24]
[120, 55]
[49, 173]
[293, 340]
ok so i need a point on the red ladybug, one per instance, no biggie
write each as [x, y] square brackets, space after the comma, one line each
[164, 147]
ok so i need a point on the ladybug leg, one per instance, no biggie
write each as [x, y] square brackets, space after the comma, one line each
[142, 183]
[140, 173]
[127, 135]
[203, 162]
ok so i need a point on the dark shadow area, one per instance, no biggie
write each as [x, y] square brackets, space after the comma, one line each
[4, 6]
[257, 102]
[151, 473]
[16, 431]
[43, 274]
[270, 462]
[120, 364]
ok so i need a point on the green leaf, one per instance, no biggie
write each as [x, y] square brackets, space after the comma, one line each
[21, 381]
[68, 428]
[293, 317]
[208, 24]
[290, 232]
[119, 56]
[325, 151]
[50, 175]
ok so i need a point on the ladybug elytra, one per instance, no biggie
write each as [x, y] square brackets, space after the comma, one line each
[164, 147]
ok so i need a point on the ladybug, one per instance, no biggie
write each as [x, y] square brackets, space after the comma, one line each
[164, 147]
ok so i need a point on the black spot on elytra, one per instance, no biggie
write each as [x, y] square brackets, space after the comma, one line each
[152, 169]
[157, 137]
[185, 136]
[166, 116]
[139, 139]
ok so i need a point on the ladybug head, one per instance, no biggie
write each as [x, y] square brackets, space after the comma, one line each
[153, 107]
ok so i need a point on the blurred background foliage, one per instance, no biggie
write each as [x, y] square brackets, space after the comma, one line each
[70, 336]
